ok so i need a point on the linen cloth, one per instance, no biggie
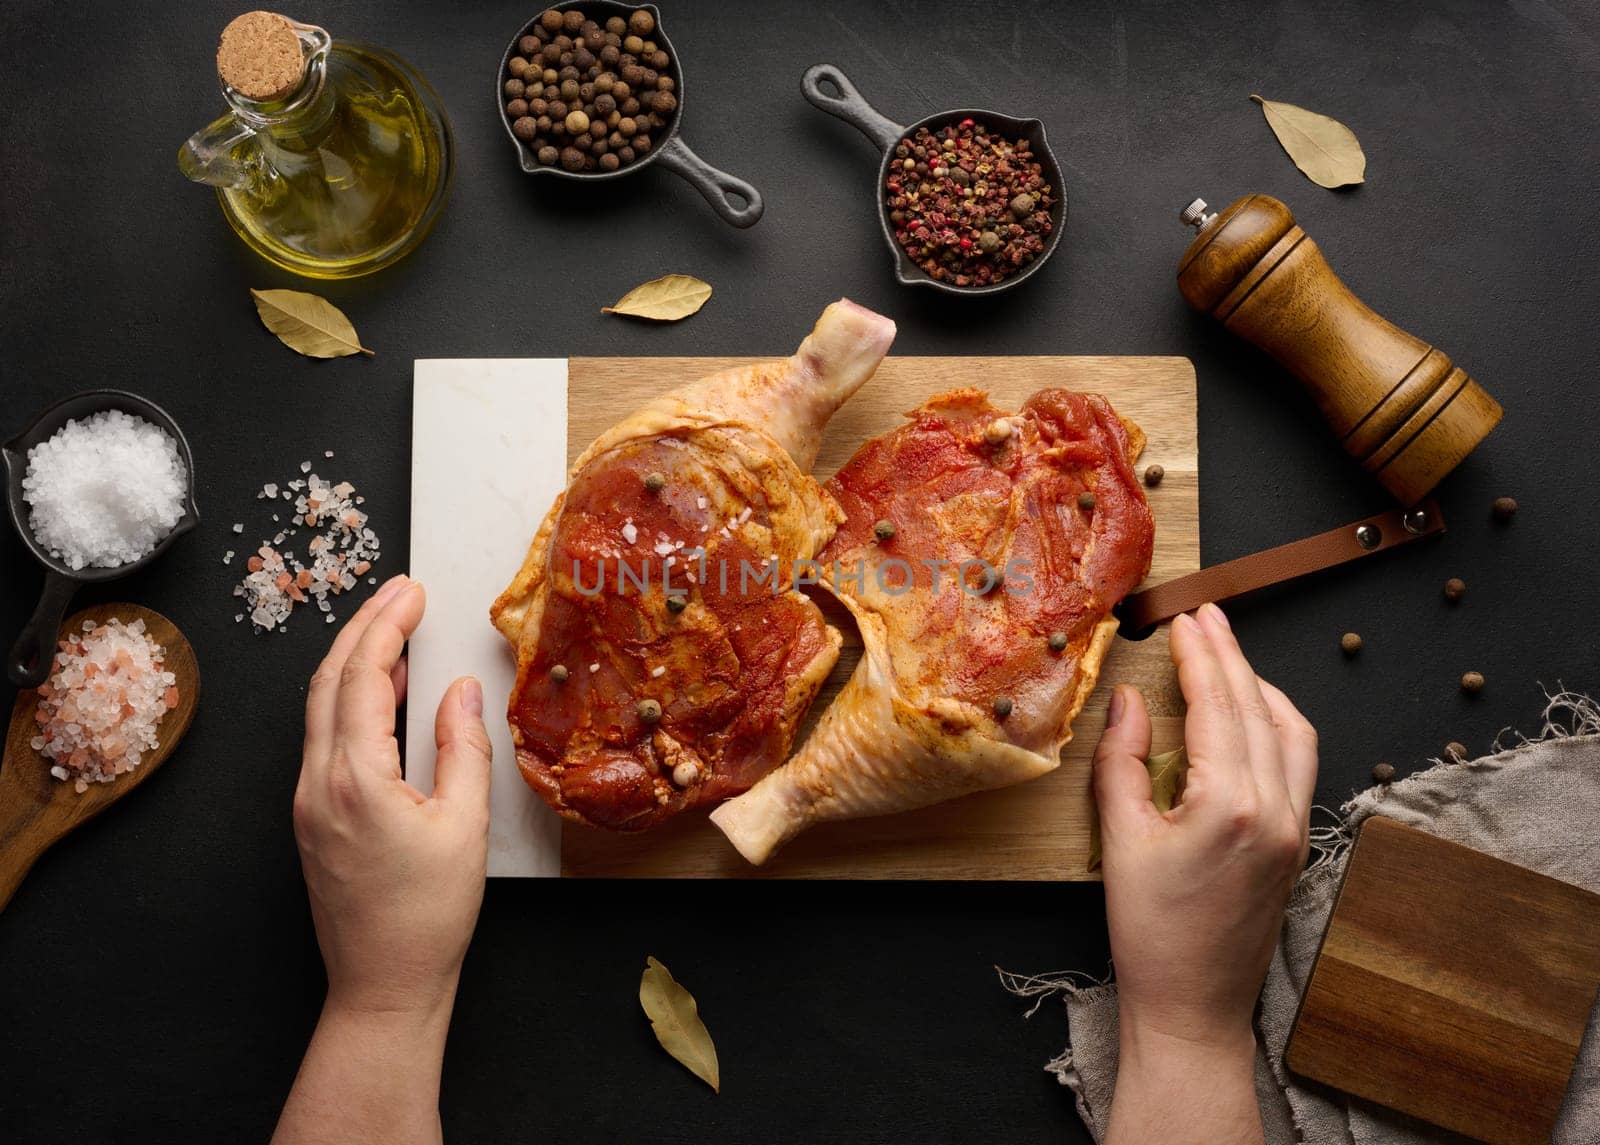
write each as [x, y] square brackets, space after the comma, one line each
[1531, 804]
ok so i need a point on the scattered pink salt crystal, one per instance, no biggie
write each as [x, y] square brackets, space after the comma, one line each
[341, 548]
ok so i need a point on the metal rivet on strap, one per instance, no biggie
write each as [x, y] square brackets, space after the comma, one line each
[1368, 536]
[1416, 521]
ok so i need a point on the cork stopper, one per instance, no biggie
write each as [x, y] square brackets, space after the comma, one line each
[260, 56]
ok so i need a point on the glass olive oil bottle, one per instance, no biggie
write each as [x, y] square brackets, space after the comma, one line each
[334, 159]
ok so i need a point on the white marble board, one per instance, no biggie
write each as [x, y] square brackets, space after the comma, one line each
[488, 456]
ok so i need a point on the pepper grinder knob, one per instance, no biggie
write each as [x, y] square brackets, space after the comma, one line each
[1399, 406]
[1194, 215]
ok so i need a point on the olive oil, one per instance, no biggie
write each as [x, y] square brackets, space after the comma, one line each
[342, 177]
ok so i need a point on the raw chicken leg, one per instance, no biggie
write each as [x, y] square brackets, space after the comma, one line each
[961, 689]
[679, 678]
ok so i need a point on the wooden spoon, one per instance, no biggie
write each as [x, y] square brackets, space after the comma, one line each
[36, 808]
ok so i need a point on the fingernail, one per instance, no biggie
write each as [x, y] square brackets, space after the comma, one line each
[390, 587]
[1184, 620]
[1217, 615]
[1115, 710]
[472, 697]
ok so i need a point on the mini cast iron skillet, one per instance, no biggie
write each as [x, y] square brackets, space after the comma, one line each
[849, 106]
[28, 665]
[731, 197]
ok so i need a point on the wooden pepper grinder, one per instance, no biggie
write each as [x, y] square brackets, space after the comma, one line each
[1402, 409]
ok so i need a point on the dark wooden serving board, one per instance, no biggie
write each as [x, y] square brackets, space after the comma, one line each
[1451, 985]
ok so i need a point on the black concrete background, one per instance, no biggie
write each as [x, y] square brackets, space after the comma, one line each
[158, 974]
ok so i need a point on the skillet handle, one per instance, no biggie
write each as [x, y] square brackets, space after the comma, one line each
[736, 201]
[848, 105]
[28, 665]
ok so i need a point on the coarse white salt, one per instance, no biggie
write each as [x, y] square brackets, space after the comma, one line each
[327, 453]
[594, 668]
[629, 532]
[658, 671]
[104, 491]
[269, 490]
[107, 693]
[238, 526]
[305, 467]
[699, 502]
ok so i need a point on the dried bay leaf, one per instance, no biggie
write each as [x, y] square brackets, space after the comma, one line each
[308, 324]
[675, 1018]
[1324, 149]
[666, 299]
[1167, 772]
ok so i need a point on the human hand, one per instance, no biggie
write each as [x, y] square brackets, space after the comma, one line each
[395, 877]
[1195, 896]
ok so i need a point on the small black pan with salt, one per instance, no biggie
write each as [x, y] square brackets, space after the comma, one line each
[28, 664]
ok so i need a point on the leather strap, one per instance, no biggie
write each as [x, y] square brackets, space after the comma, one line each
[1144, 610]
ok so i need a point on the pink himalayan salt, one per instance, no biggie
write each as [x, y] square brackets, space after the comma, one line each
[106, 696]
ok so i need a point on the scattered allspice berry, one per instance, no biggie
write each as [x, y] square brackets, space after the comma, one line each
[558, 673]
[1058, 642]
[1456, 750]
[1472, 682]
[677, 603]
[649, 711]
[1002, 707]
[1086, 501]
[1153, 475]
[1350, 643]
[1383, 773]
[1454, 589]
[655, 482]
[1503, 509]
[884, 530]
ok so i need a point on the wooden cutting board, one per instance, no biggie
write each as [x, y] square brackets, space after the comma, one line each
[1039, 830]
[1451, 985]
